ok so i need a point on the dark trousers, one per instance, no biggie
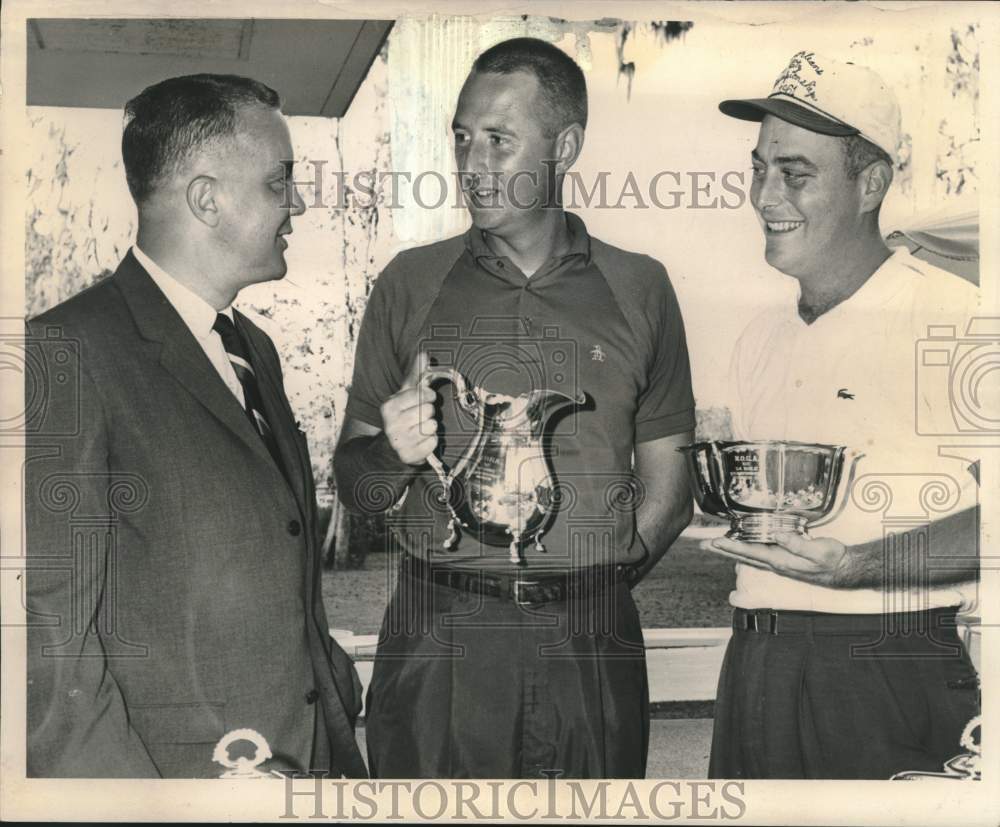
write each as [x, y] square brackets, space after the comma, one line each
[809, 695]
[471, 686]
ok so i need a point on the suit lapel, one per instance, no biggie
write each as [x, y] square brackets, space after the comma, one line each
[180, 353]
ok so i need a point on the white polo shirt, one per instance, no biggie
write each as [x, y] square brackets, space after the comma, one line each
[850, 378]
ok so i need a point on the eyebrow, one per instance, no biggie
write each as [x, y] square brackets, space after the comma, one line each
[284, 167]
[498, 127]
[787, 159]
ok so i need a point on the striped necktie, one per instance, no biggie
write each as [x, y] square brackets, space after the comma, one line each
[240, 360]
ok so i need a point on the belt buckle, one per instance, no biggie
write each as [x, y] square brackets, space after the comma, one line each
[517, 592]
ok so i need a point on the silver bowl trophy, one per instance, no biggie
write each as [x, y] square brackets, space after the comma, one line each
[766, 487]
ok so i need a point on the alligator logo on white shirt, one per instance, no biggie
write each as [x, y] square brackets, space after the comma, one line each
[844, 393]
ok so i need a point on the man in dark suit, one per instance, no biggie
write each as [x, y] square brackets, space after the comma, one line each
[173, 588]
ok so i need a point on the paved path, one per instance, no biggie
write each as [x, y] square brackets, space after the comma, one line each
[679, 748]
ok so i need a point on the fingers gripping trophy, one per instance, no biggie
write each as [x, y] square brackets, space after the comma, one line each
[502, 487]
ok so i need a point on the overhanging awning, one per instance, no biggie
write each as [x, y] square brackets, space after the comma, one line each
[947, 238]
[315, 65]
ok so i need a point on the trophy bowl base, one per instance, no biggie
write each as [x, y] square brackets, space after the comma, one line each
[761, 528]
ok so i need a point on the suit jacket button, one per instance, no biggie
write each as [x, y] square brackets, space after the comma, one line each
[312, 696]
[294, 528]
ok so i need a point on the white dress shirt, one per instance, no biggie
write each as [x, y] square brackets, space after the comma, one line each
[199, 316]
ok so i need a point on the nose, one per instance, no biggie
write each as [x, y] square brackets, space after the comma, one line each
[765, 192]
[476, 159]
[298, 205]
[472, 162]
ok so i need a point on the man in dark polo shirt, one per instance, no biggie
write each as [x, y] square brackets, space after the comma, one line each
[488, 668]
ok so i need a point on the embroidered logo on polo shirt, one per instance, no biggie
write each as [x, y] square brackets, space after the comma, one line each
[596, 354]
[844, 393]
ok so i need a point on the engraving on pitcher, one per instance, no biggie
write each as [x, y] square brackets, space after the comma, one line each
[502, 488]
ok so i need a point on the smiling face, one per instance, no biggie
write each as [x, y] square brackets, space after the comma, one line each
[257, 199]
[811, 210]
[501, 148]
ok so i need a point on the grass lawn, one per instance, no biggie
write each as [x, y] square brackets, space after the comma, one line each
[689, 587]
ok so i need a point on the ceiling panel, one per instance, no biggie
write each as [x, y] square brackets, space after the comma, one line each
[315, 65]
[174, 38]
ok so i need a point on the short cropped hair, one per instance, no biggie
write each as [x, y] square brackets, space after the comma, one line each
[562, 83]
[168, 121]
[860, 153]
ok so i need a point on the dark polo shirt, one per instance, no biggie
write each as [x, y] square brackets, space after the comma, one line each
[561, 329]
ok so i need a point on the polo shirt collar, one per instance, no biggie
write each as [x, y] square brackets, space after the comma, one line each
[196, 313]
[579, 241]
[890, 277]
[579, 238]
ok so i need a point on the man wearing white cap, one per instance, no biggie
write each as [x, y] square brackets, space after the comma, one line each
[844, 661]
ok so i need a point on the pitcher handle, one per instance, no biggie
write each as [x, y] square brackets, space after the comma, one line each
[469, 401]
[844, 494]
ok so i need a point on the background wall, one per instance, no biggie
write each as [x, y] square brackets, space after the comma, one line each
[654, 90]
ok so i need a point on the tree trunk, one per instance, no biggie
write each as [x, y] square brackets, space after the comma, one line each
[338, 532]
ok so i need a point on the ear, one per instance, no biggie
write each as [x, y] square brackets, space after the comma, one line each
[569, 144]
[201, 200]
[874, 181]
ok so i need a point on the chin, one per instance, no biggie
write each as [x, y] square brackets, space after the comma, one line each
[486, 219]
[782, 263]
[274, 273]
[280, 266]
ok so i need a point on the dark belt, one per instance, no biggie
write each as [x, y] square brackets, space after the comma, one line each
[521, 588]
[775, 622]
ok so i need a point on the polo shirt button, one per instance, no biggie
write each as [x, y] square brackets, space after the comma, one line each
[294, 528]
[312, 696]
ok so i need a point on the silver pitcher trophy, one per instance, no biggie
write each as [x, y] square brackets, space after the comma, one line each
[502, 487]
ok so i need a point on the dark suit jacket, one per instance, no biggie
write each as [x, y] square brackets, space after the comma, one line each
[173, 583]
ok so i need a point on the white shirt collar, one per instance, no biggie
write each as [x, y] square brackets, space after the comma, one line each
[197, 313]
[890, 276]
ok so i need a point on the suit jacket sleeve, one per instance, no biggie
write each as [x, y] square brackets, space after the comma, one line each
[77, 719]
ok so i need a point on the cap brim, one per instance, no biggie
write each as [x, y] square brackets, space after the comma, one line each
[757, 109]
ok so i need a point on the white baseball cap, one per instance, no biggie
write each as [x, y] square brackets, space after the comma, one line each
[829, 97]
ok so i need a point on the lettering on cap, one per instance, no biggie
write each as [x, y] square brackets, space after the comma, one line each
[791, 82]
